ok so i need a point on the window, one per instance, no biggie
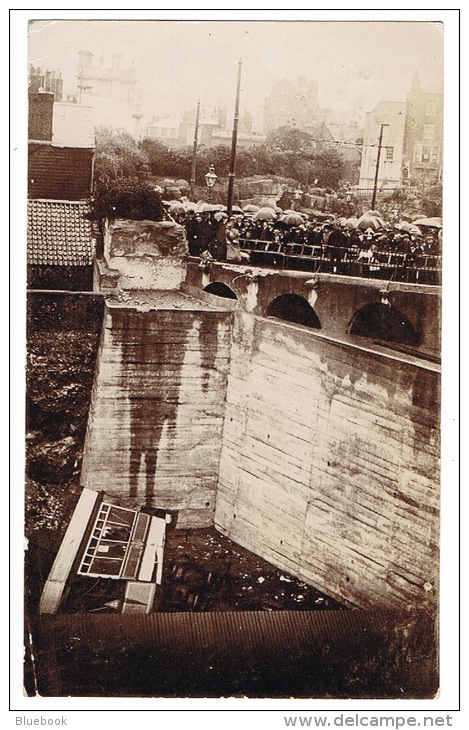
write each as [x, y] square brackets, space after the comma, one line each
[426, 153]
[389, 153]
[430, 109]
[428, 132]
[110, 552]
[435, 155]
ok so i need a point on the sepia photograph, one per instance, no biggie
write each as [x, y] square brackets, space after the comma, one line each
[234, 254]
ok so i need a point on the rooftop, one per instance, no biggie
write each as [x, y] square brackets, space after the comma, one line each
[59, 233]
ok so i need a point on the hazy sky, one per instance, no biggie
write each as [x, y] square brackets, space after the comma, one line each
[356, 64]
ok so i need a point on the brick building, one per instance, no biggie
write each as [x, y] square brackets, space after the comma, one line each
[293, 105]
[60, 175]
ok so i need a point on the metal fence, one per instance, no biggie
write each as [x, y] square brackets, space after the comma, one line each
[389, 265]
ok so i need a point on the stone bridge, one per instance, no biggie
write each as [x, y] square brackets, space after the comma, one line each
[342, 305]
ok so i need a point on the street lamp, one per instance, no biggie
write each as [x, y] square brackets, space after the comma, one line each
[348, 200]
[375, 188]
[210, 180]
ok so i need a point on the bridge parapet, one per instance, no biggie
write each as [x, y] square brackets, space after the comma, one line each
[336, 299]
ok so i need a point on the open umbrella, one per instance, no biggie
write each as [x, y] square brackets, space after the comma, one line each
[190, 206]
[265, 214]
[177, 209]
[235, 210]
[429, 222]
[368, 221]
[251, 208]
[351, 223]
[292, 219]
[403, 226]
[206, 208]
[220, 216]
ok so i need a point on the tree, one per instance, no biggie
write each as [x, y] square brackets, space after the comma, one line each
[122, 180]
[329, 168]
[289, 139]
[166, 162]
[432, 200]
[118, 158]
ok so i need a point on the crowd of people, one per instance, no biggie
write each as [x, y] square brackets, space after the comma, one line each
[212, 235]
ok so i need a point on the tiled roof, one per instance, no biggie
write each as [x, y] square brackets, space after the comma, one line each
[59, 234]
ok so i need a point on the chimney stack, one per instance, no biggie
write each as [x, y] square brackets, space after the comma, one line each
[40, 116]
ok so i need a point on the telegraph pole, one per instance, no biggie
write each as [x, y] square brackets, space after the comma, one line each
[234, 138]
[194, 152]
[375, 188]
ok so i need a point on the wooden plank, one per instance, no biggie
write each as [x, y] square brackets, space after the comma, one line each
[55, 583]
[153, 551]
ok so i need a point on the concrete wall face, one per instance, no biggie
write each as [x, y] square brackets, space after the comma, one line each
[155, 427]
[329, 464]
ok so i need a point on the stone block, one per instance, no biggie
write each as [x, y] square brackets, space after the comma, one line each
[147, 254]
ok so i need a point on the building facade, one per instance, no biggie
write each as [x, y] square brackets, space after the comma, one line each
[293, 105]
[423, 137]
[111, 91]
[43, 80]
[412, 140]
[60, 178]
[392, 115]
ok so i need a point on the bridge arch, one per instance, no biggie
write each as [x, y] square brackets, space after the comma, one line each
[383, 322]
[293, 308]
[220, 289]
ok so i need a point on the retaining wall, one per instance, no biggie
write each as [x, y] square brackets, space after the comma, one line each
[329, 464]
[155, 427]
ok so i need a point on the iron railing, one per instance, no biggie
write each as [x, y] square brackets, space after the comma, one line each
[389, 265]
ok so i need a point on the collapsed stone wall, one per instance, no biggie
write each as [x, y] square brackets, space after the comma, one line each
[146, 254]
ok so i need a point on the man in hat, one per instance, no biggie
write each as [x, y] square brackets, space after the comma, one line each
[192, 229]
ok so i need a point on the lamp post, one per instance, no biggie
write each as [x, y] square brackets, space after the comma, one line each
[375, 188]
[348, 200]
[210, 180]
